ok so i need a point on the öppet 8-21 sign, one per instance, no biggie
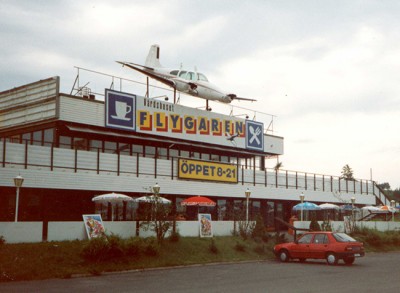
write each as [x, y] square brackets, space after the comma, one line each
[208, 171]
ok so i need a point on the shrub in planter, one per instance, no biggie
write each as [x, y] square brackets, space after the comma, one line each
[174, 237]
[213, 248]
[96, 250]
[132, 246]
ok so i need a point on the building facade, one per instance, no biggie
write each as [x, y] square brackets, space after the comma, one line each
[69, 148]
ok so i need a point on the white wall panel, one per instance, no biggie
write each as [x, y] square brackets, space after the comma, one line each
[79, 110]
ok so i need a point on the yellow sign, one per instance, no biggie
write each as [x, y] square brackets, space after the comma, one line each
[209, 171]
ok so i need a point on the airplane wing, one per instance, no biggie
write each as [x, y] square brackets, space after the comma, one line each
[234, 97]
[147, 71]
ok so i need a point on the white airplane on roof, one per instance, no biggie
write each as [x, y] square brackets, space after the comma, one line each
[189, 82]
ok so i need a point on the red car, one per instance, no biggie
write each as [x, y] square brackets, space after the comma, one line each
[331, 246]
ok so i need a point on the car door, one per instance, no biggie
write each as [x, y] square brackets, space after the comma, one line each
[318, 246]
[302, 247]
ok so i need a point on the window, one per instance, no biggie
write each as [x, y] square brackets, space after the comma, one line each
[202, 77]
[182, 74]
[48, 136]
[26, 138]
[37, 137]
[162, 153]
[306, 239]
[173, 153]
[150, 151]
[65, 142]
[95, 145]
[174, 72]
[320, 239]
[16, 138]
[80, 143]
[110, 147]
[137, 149]
[184, 154]
[124, 149]
[190, 76]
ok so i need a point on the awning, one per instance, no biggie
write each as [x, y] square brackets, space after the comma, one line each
[161, 140]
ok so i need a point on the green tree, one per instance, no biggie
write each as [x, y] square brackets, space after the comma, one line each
[156, 215]
[347, 173]
[384, 186]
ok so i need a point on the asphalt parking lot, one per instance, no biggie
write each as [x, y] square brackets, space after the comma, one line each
[377, 272]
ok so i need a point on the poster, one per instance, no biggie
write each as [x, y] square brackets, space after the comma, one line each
[94, 226]
[205, 225]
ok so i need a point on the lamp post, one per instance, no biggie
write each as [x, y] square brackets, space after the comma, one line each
[247, 193]
[392, 205]
[156, 189]
[18, 183]
[353, 200]
[301, 200]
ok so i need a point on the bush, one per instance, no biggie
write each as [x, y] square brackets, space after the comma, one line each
[259, 229]
[240, 247]
[96, 250]
[174, 237]
[151, 248]
[213, 247]
[260, 249]
[132, 246]
[115, 246]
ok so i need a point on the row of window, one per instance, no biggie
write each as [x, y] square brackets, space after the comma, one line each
[47, 137]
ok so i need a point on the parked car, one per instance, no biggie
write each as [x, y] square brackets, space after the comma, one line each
[331, 246]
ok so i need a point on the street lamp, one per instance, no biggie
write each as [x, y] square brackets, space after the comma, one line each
[247, 193]
[156, 189]
[18, 183]
[302, 200]
[392, 205]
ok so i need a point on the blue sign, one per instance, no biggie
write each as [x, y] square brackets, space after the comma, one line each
[254, 135]
[120, 110]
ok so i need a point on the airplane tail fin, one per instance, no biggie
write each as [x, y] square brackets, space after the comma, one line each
[153, 58]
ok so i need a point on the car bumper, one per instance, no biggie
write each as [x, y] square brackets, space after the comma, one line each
[351, 254]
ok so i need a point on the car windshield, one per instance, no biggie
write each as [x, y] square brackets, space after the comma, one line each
[342, 237]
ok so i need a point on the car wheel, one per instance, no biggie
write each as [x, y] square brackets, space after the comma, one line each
[349, 260]
[284, 255]
[331, 259]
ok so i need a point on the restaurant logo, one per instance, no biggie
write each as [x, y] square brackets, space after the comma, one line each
[120, 109]
[254, 135]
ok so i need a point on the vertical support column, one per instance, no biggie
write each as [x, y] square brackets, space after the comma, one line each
[26, 155]
[4, 152]
[137, 164]
[52, 157]
[98, 161]
[76, 160]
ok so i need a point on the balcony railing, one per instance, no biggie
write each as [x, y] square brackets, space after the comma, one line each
[72, 160]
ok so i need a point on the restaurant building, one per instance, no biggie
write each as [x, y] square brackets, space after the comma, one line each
[72, 147]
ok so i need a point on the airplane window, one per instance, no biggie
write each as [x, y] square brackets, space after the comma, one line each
[182, 74]
[190, 76]
[174, 72]
[202, 77]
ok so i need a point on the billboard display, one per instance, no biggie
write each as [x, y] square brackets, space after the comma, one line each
[151, 116]
[207, 171]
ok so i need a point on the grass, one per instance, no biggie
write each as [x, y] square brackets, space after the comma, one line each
[35, 261]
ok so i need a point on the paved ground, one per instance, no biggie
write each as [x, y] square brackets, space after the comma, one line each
[377, 272]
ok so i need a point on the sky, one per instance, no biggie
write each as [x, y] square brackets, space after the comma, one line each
[327, 70]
